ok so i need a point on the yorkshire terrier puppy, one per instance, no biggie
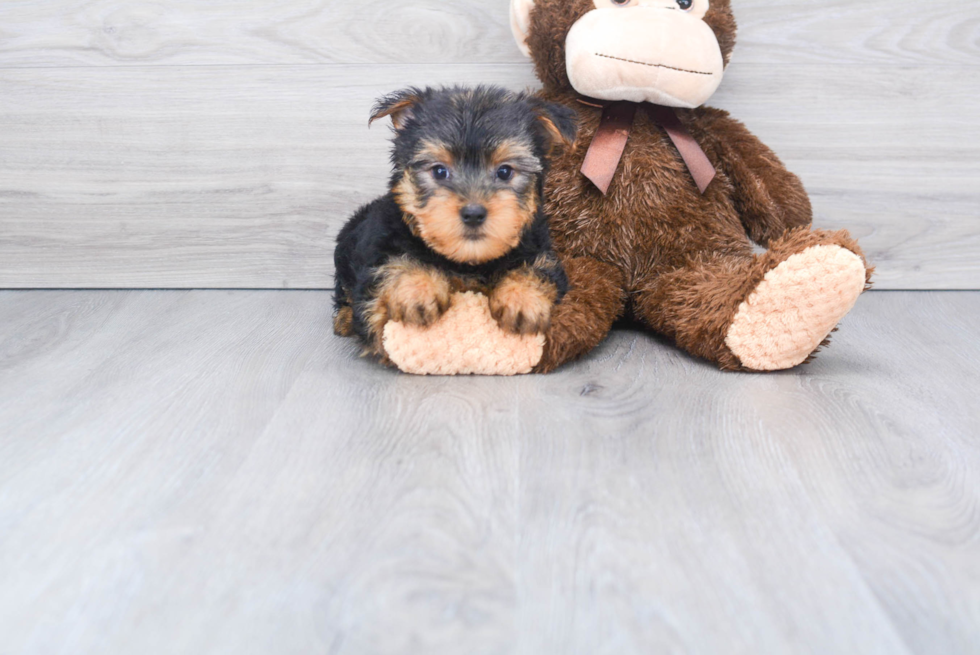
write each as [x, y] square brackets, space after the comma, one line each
[463, 213]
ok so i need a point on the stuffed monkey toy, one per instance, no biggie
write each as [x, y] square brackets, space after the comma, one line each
[655, 208]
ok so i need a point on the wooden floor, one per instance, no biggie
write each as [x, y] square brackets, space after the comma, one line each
[214, 472]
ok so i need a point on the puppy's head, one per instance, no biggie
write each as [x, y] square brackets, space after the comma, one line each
[468, 165]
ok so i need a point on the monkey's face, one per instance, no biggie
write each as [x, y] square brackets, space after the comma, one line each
[658, 51]
[668, 52]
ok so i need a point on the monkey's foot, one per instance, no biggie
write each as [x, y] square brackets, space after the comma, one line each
[796, 307]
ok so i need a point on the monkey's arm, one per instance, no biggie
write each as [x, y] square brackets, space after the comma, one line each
[595, 299]
[769, 199]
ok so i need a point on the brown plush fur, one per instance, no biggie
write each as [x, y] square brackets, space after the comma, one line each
[594, 301]
[680, 261]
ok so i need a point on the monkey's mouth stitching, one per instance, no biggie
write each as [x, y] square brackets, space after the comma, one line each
[643, 63]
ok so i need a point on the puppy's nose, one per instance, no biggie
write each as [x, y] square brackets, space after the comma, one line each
[473, 215]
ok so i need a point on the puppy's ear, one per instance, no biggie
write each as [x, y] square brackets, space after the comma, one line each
[560, 123]
[399, 105]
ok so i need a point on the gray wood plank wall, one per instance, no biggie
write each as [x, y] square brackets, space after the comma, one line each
[221, 144]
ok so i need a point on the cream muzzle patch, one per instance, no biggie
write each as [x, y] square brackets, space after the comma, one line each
[644, 53]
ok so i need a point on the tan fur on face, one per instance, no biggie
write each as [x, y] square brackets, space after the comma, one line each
[406, 195]
[506, 222]
[430, 151]
[438, 223]
[408, 293]
[521, 303]
[516, 152]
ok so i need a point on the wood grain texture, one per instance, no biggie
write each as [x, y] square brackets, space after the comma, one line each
[874, 481]
[187, 144]
[241, 177]
[174, 177]
[212, 472]
[184, 32]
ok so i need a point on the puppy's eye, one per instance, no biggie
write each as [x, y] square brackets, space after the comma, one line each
[505, 173]
[440, 172]
[685, 4]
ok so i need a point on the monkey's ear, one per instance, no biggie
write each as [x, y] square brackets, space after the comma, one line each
[560, 123]
[399, 105]
[520, 23]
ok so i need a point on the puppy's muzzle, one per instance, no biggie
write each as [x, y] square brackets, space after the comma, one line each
[473, 215]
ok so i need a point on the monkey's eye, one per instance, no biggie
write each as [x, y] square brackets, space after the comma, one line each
[440, 172]
[505, 173]
[621, 3]
[685, 4]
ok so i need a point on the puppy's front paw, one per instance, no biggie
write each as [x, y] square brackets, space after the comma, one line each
[418, 297]
[522, 303]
